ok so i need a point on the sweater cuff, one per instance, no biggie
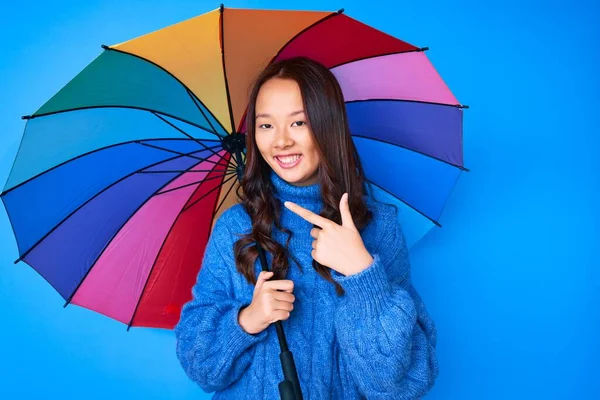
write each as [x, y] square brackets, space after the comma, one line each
[368, 290]
[237, 338]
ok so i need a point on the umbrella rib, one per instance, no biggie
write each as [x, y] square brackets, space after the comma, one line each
[88, 153]
[158, 254]
[28, 117]
[193, 97]
[187, 172]
[460, 106]
[116, 233]
[207, 193]
[222, 43]
[22, 256]
[325, 18]
[180, 153]
[205, 117]
[223, 200]
[416, 49]
[195, 183]
[184, 132]
[417, 210]
[172, 75]
[449, 193]
[412, 150]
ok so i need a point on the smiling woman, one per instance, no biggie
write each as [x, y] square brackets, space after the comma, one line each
[358, 327]
[297, 107]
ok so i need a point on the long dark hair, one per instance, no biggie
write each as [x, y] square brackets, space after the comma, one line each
[339, 171]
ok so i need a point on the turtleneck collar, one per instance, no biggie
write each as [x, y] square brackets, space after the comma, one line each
[285, 191]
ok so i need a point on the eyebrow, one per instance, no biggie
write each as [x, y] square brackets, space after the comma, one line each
[264, 115]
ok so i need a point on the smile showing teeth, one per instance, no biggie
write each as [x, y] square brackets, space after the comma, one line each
[289, 160]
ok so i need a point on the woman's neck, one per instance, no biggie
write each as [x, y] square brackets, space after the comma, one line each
[285, 191]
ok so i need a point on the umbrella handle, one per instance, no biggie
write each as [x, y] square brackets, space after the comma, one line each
[289, 388]
[286, 390]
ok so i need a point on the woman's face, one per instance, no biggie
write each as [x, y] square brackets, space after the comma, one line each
[283, 134]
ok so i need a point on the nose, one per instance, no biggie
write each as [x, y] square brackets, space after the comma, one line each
[283, 139]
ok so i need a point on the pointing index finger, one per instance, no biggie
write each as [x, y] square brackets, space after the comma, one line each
[306, 214]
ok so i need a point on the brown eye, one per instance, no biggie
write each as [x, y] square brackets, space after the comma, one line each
[265, 126]
[299, 123]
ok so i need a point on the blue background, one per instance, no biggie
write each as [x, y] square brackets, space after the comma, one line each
[510, 278]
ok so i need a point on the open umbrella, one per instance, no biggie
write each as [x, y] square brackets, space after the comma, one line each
[121, 174]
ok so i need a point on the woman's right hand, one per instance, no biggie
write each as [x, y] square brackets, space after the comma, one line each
[272, 301]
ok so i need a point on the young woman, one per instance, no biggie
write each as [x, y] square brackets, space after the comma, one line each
[352, 318]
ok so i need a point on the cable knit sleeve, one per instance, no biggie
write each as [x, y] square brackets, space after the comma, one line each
[387, 340]
[212, 347]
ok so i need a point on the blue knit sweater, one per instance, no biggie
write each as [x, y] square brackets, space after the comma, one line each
[377, 341]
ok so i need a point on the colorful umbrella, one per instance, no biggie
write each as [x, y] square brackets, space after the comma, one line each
[120, 175]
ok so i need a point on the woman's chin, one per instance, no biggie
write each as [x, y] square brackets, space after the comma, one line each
[298, 179]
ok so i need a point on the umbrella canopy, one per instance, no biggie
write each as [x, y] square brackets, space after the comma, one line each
[120, 175]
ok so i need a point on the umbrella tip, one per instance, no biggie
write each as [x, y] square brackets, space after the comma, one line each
[424, 49]
[221, 7]
[105, 47]
[26, 117]
[341, 10]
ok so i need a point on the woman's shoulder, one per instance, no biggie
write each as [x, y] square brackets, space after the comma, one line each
[383, 213]
[383, 223]
[234, 219]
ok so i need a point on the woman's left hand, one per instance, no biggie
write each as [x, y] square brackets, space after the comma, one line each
[338, 247]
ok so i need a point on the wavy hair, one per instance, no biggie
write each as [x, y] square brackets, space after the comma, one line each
[339, 170]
